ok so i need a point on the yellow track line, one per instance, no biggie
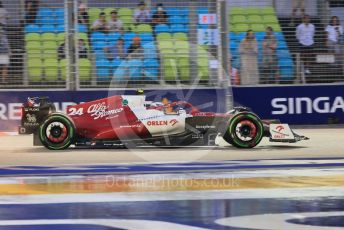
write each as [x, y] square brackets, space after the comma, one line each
[155, 185]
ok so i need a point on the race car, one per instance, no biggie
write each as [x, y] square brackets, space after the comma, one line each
[132, 121]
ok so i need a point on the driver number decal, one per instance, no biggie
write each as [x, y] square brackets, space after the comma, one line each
[75, 112]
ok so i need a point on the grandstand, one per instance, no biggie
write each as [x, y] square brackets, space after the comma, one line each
[166, 48]
[172, 52]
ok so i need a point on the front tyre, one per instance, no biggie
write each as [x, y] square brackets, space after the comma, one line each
[57, 132]
[245, 130]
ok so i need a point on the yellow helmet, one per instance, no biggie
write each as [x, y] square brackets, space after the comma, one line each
[140, 92]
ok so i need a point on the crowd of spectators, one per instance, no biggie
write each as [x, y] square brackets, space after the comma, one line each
[251, 72]
[141, 15]
[113, 25]
[305, 33]
[118, 51]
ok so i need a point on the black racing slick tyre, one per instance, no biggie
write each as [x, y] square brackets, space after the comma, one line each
[245, 130]
[57, 132]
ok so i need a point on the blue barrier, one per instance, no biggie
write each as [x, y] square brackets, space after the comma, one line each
[321, 104]
[316, 104]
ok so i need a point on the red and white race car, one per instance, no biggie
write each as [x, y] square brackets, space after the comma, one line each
[130, 120]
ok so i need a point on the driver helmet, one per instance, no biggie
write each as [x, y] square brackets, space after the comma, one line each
[165, 101]
[167, 105]
[140, 92]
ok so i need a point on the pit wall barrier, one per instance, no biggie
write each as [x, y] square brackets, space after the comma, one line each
[301, 105]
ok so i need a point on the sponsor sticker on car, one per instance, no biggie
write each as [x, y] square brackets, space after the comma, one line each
[162, 122]
[101, 110]
[281, 132]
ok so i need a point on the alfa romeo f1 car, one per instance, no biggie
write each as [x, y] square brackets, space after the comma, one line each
[131, 120]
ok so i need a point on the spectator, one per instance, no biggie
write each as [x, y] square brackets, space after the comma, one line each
[31, 7]
[135, 50]
[116, 51]
[83, 51]
[305, 36]
[334, 33]
[269, 57]
[83, 17]
[141, 14]
[61, 51]
[3, 15]
[115, 24]
[297, 4]
[101, 24]
[160, 16]
[5, 53]
[249, 65]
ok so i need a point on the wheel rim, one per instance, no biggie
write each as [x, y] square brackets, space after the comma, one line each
[56, 132]
[246, 130]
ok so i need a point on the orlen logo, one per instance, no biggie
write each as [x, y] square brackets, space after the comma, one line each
[301, 105]
[157, 123]
[162, 123]
[173, 122]
[279, 128]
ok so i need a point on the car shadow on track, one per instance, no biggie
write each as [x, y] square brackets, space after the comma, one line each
[281, 147]
[159, 149]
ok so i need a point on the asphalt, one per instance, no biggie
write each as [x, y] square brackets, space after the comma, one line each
[323, 143]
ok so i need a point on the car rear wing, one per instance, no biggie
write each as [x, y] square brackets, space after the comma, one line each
[34, 110]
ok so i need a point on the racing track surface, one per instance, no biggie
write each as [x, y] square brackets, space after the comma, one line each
[275, 186]
[323, 143]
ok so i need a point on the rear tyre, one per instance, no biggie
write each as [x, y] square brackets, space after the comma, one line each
[57, 132]
[245, 130]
